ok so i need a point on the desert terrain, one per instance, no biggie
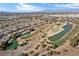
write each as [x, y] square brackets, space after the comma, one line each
[36, 34]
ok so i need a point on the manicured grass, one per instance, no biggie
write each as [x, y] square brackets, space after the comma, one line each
[68, 37]
[58, 43]
[26, 36]
[59, 35]
[56, 39]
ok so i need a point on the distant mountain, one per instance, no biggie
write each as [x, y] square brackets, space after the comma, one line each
[40, 12]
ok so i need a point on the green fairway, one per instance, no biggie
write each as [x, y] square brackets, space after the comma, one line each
[26, 36]
[61, 34]
[57, 43]
[56, 39]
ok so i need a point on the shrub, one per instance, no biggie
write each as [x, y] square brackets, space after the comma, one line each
[25, 54]
[31, 52]
[43, 45]
[37, 46]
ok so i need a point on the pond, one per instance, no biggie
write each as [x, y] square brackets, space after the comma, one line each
[58, 36]
[14, 43]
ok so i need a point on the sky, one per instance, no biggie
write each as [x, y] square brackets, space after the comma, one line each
[38, 7]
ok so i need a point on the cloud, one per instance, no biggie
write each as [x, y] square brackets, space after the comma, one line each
[29, 8]
[2, 9]
[74, 5]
